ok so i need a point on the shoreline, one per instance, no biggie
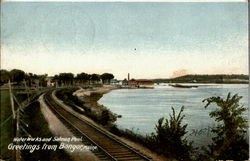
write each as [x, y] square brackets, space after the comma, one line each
[98, 90]
[92, 97]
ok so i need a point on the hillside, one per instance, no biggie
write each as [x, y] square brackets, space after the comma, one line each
[219, 78]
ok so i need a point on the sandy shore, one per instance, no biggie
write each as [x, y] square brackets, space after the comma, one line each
[90, 97]
[98, 90]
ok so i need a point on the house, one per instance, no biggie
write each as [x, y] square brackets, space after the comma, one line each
[145, 83]
[49, 81]
[35, 83]
[133, 83]
[114, 82]
[125, 82]
[141, 83]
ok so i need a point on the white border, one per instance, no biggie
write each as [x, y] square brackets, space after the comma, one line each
[125, 1]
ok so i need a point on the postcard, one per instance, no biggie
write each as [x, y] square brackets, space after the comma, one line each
[124, 80]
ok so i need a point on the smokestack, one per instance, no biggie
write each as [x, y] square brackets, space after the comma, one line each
[128, 77]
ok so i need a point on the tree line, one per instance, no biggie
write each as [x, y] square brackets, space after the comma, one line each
[205, 78]
[208, 78]
[18, 76]
[82, 78]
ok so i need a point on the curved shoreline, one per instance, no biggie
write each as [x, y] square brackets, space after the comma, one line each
[92, 102]
[99, 90]
[90, 97]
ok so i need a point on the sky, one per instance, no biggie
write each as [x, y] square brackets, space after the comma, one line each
[147, 40]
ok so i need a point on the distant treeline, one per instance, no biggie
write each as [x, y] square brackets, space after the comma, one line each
[218, 78]
[18, 76]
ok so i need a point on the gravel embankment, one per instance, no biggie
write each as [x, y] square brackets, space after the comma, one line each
[58, 129]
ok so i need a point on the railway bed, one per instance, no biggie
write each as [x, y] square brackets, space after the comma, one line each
[108, 147]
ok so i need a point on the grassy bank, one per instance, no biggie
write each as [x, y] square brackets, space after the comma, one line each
[66, 96]
[38, 127]
[7, 123]
[88, 106]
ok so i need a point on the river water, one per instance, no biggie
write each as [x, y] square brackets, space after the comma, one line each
[141, 108]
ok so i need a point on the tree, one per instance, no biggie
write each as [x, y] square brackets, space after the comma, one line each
[169, 138]
[5, 76]
[56, 80]
[66, 78]
[17, 75]
[106, 77]
[94, 78]
[229, 142]
[28, 78]
[42, 80]
[83, 77]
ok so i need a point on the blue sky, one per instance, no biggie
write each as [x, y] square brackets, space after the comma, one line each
[148, 40]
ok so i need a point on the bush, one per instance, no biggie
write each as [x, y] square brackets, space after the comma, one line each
[169, 137]
[167, 140]
[103, 116]
[229, 142]
[67, 96]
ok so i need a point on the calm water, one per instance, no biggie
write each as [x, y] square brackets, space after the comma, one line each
[141, 108]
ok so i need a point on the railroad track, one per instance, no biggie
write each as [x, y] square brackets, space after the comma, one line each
[108, 147]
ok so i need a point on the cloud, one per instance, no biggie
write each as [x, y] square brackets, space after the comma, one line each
[178, 73]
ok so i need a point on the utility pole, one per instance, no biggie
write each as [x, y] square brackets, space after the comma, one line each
[18, 153]
[13, 117]
[27, 90]
[16, 120]
[12, 101]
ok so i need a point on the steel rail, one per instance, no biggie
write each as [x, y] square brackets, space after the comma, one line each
[48, 101]
[121, 152]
